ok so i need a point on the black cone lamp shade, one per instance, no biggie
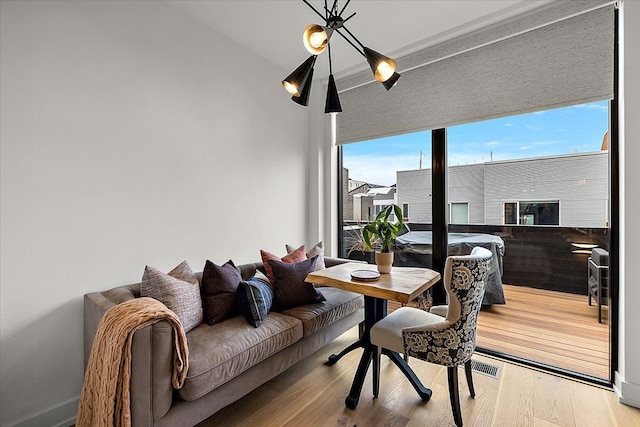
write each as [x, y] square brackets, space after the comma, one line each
[294, 83]
[382, 66]
[303, 99]
[316, 38]
[391, 82]
[332, 105]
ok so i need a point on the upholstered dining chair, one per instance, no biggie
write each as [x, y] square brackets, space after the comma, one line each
[449, 341]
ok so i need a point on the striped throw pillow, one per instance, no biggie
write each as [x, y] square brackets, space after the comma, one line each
[254, 298]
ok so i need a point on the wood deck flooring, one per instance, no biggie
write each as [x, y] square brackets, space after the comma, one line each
[554, 328]
[550, 327]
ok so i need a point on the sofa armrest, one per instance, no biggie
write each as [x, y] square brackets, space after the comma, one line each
[151, 370]
[151, 360]
[95, 306]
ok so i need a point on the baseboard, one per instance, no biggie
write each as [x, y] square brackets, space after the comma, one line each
[62, 415]
[628, 393]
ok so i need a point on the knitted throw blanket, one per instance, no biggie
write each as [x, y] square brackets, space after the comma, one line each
[105, 399]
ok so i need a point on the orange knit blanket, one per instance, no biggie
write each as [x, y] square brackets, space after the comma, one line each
[105, 399]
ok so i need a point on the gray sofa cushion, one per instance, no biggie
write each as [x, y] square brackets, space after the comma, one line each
[219, 352]
[337, 304]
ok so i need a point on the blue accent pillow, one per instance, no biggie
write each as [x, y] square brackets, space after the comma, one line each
[254, 298]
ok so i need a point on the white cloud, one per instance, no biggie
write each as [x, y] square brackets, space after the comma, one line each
[381, 169]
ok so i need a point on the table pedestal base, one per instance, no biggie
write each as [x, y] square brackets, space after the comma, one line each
[374, 310]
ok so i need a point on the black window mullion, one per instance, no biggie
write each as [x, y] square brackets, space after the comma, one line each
[440, 223]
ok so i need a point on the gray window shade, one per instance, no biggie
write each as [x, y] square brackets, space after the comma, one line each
[560, 55]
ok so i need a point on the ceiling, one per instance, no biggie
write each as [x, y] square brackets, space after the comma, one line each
[273, 29]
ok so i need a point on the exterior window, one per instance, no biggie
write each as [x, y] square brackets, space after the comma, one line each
[405, 212]
[458, 213]
[532, 213]
[511, 213]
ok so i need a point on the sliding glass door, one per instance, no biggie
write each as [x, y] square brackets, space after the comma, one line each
[534, 189]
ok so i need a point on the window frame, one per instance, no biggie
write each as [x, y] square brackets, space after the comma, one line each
[519, 215]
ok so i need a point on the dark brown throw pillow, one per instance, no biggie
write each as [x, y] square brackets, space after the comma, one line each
[219, 285]
[290, 289]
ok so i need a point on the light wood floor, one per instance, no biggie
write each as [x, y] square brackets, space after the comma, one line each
[312, 394]
[554, 328]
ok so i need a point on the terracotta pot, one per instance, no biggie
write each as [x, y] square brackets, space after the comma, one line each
[384, 260]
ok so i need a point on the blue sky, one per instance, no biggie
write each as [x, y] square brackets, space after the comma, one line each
[577, 129]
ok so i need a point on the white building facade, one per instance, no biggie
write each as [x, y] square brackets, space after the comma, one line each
[567, 191]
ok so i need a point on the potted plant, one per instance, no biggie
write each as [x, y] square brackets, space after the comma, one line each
[382, 233]
[359, 249]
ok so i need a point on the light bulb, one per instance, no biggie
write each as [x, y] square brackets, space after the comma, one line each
[292, 89]
[385, 70]
[317, 39]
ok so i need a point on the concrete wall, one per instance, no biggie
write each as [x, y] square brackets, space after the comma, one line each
[130, 135]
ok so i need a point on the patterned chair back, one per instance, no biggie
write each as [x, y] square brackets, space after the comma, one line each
[452, 342]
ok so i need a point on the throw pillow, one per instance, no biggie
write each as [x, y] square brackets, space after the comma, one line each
[178, 290]
[318, 249]
[254, 298]
[219, 285]
[296, 255]
[290, 288]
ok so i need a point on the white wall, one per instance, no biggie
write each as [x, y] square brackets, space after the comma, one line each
[627, 381]
[130, 135]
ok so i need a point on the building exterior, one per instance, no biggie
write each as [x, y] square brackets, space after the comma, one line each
[361, 200]
[367, 205]
[567, 190]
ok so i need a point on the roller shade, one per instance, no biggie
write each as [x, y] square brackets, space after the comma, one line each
[557, 56]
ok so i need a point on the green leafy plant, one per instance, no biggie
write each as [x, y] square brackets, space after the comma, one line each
[382, 231]
[360, 244]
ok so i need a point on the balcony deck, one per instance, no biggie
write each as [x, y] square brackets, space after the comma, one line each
[550, 327]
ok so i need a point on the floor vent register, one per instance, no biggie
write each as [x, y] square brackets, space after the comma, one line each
[485, 369]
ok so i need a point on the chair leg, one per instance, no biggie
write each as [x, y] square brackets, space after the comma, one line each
[454, 396]
[377, 351]
[467, 372]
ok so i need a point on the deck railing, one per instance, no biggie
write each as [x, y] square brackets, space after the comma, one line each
[543, 257]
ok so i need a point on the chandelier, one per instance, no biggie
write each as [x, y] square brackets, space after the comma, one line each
[316, 39]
